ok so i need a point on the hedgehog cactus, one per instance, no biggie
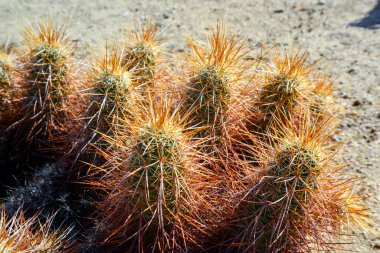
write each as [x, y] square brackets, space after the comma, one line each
[7, 94]
[112, 94]
[6, 81]
[148, 199]
[18, 234]
[211, 88]
[322, 105]
[215, 90]
[290, 84]
[291, 206]
[46, 70]
[221, 154]
[141, 54]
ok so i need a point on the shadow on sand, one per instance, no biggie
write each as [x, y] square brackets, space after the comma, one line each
[371, 20]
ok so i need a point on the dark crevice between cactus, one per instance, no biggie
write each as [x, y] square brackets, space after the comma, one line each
[49, 192]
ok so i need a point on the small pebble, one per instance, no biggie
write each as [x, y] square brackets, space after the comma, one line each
[356, 103]
[376, 244]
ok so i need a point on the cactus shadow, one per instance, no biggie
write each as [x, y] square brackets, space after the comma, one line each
[371, 20]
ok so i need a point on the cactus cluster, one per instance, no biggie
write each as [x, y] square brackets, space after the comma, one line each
[226, 152]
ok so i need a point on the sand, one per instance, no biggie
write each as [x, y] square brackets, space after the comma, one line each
[338, 31]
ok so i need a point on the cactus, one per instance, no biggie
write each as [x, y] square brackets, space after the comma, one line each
[291, 206]
[215, 93]
[112, 95]
[141, 54]
[19, 234]
[322, 104]
[9, 92]
[148, 199]
[6, 81]
[46, 79]
[290, 83]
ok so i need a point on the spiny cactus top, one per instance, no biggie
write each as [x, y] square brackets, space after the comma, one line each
[19, 234]
[217, 76]
[113, 95]
[48, 55]
[141, 54]
[290, 83]
[47, 61]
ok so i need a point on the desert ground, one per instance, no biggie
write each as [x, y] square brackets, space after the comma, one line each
[344, 34]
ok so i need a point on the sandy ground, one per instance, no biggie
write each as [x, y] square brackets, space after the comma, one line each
[351, 54]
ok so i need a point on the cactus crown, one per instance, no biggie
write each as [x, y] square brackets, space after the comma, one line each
[46, 79]
[18, 234]
[287, 83]
[284, 92]
[49, 51]
[150, 161]
[159, 163]
[114, 88]
[141, 54]
[214, 71]
[211, 89]
[112, 91]
[294, 176]
[159, 139]
[113, 85]
[296, 162]
[49, 71]
[298, 149]
[282, 205]
[156, 146]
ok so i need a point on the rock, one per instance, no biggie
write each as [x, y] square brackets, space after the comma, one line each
[356, 103]
[376, 244]
[351, 72]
